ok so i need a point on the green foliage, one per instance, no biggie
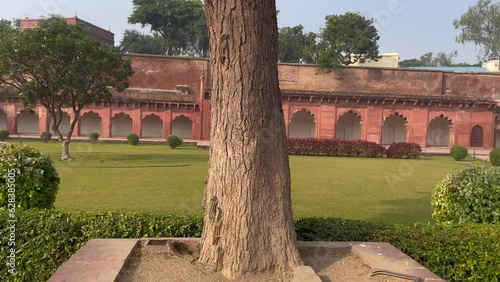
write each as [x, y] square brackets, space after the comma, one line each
[295, 46]
[441, 59]
[495, 157]
[468, 195]
[173, 141]
[466, 252]
[481, 25]
[93, 137]
[29, 176]
[458, 153]
[46, 239]
[136, 42]
[4, 134]
[346, 39]
[133, 139]
[404, 150]
[59, 66]
[181, 23]
[6, 27]
[46, 136]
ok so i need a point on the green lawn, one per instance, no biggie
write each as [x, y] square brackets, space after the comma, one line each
[155, 178]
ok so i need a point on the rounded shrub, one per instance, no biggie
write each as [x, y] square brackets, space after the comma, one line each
[469, 195]
[133, 139]
[46, 136]
[93, 137]
[4, 134]
[495, 157]
[28, 178]
[458, 153]
[174, 141]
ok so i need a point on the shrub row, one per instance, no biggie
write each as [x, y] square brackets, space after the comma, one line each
[351, 148]
[333, 147]
[45, 239]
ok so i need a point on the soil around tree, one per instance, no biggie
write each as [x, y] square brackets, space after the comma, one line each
[153, 264]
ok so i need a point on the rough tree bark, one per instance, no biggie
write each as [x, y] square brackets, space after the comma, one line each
[248, 216]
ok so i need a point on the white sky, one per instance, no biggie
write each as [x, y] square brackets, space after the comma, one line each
[409, 27]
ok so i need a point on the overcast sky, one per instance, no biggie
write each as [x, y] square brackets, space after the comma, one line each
[408, 27]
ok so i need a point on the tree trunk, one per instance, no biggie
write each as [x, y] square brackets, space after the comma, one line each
[248, 222]
[65, 150]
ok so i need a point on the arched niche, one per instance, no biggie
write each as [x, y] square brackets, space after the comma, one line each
[476, 136]
[152, 126]
[121, 125]
[302, 125]
[182, 127]
[348, 127]
[90, 122]
[394, 129]
[27, 122]
[439, 132]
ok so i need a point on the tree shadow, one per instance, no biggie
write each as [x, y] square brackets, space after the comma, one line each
[402, 211]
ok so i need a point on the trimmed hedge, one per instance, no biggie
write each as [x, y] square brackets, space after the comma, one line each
[333, 147]
[47, 238]
[4, 134]
[93, 137]
[404, 150]
[495, 157]
[458, 153]
[173, 141]
[468, 195]
[46, 136]
[133, 139]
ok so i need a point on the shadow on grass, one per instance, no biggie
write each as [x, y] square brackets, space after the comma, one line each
[405, 211]
[131, 166]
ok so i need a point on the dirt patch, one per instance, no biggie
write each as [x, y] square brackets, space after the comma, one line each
[160, 263]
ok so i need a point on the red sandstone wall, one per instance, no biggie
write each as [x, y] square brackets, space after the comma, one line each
[159, 72]
[472, 85]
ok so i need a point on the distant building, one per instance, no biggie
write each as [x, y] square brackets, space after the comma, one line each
[99, 34]
[492, 65]
[386, 60]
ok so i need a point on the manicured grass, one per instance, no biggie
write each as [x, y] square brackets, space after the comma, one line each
[155, 178]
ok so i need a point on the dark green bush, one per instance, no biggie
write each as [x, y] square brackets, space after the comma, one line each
[46, 136]
[458, 153]
[334, 147]
[495, 157]
[467, 252]
[173, 141]
[469, 195]
[93, 137]
[133, 139]
[4, 134]
[28, 175]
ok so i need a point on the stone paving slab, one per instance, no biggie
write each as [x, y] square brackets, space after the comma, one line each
[100, 260]
[305, 274]
[384, 256]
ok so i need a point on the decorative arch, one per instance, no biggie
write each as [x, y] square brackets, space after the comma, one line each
[182, 126]
[439, 132]
[64, 126]
[476, 136]
[121, 125]
[497, 132]
[3, 120]
[90, 122]
[152, 126]
[348, 126]
[27, 122]
[302, 125]
[394, 129]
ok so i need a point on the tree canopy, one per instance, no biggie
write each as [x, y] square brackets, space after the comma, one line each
[136, 42]
[295, 46]
[441, 59]
[346, 39]
[481, 25]
[59, 66]
[6, 27]
[181, 24]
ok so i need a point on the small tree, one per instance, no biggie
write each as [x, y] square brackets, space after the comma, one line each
[59, 66]
[346, 39]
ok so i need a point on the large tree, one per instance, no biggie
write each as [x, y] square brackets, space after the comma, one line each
[59, 66]
[6, 27]
[248, 222]
[136, 42]
[181, 24]
[346, 39]
[295, 46]
[481, 25]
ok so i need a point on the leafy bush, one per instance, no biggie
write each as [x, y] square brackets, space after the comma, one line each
[404, 150]
[46, 136]
[495, 157]
[4, 134]
[133, 139]
[28, 175]
[458, 153]
[93, 137]
[469, 195]
[466, 252]
[333, 147]
[173, 141]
